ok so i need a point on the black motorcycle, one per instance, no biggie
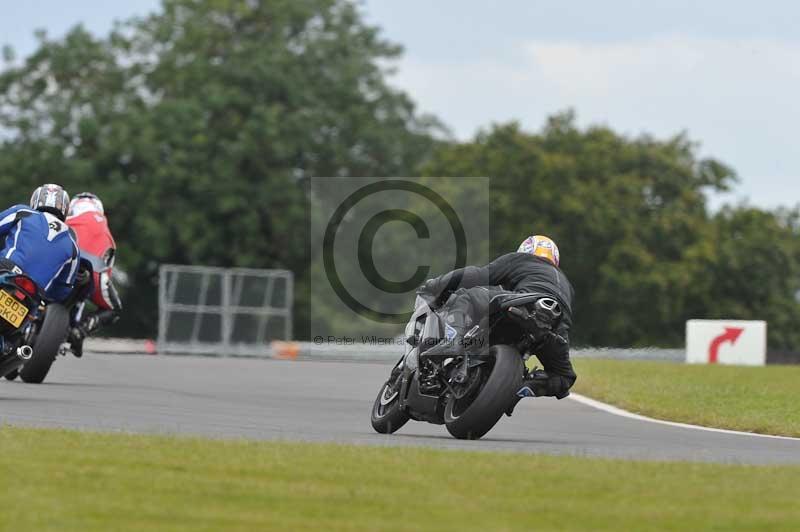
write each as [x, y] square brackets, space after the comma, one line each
[33, 338]
[26, 320]
[468, 393]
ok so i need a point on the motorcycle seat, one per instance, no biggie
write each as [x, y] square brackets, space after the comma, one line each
[504, 301]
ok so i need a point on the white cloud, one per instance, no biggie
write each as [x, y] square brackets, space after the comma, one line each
[737, 97]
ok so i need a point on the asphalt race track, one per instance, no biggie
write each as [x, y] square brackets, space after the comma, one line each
[331, 401]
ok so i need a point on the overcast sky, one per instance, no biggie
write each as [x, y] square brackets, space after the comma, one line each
[727, 72]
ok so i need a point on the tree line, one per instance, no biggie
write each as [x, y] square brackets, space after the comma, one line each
[200, 126]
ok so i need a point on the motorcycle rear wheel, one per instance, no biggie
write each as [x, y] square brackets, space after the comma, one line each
[48, 340]
[472, 416]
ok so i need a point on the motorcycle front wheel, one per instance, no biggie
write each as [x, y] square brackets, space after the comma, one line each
[489, 391]
[387, 415]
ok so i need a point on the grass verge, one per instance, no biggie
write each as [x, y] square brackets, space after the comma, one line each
[764, 399]
[67, 480]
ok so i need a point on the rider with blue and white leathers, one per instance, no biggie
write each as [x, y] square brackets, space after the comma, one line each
[532, 269]
[36, 241]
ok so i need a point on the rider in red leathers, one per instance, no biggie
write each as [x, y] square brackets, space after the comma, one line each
[87, 218]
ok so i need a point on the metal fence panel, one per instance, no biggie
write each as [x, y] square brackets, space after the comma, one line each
[237, 311]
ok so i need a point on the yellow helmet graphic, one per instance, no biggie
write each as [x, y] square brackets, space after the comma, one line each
[541, 246]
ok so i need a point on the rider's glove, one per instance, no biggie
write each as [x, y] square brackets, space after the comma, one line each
[83, 277]
[427, 288]
[431, 291]
[427, 292]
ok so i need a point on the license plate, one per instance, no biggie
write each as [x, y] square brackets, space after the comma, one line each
[12, 310]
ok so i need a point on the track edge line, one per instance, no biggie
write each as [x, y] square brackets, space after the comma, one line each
[610, 409]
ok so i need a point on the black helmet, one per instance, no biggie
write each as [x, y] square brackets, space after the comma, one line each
[51, 198]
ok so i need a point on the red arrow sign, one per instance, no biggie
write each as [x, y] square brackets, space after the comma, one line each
[731, 334]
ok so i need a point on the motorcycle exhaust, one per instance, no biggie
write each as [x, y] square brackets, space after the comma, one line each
[10, 362]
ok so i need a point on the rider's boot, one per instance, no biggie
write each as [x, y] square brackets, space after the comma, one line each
[539, 384]
[535, 384]
[79, 333]
[75, 339]
[87, 326]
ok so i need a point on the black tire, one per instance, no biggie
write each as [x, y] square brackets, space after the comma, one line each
[387, 416]
[13, 375]
[490, 402]
[52, 334]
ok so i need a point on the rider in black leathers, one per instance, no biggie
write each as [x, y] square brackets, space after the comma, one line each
[532, 269]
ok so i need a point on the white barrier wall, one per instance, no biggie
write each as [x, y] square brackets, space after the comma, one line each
[726, 342]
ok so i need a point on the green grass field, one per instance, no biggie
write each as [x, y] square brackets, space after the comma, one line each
[63, 480]
[764, 400]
